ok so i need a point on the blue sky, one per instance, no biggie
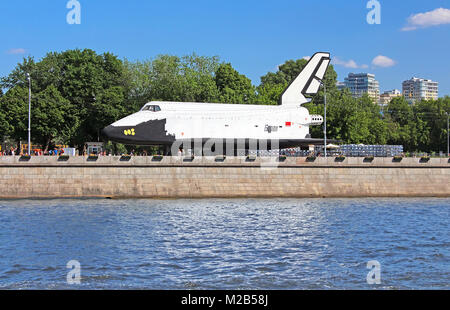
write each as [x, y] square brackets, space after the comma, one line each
[255, 36]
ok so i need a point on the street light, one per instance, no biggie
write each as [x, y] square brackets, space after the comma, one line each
[29, 113]
[448, 140]
[325, 117]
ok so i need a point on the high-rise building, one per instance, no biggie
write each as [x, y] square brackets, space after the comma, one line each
[417, 89]
[387, 96]
[363, 83]
[340, 85]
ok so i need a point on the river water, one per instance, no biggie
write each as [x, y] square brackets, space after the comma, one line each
[225, 244]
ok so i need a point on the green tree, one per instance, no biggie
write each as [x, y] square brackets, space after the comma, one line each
[403, 123]
[171, 78]
[431, 120]
[51, 122]
[14, 108]
[84, 79]
[275, 83]
[269, 94]
[18, 77]
[198, 78]
[234, 87]
[88, 78]
[78, 92]
[4, 126]
[351, 120]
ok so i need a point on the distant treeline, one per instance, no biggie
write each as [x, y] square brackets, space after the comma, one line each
[76, 93]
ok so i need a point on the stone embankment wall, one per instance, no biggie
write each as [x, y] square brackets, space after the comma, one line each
[177, 177]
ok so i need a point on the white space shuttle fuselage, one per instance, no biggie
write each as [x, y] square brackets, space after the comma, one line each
[163, 123]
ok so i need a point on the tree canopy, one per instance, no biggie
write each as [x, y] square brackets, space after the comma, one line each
[76, 93]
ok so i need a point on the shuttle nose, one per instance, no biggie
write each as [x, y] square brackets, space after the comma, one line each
[110, 133]
[120, 134]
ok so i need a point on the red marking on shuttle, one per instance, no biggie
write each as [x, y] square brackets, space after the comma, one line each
[288, 124]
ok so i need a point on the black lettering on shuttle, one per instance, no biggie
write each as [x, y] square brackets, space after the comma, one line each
[271, 129]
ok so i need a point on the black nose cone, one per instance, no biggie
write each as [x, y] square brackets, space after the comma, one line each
[106, 132]
[126, 135]
[112, 133]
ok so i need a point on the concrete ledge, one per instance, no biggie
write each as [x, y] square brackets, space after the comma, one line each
[173, 177]
[212, 161]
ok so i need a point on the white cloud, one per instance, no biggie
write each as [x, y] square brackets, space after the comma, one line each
[348, 63]
[16, 51]
[383, 61]
[436, 17]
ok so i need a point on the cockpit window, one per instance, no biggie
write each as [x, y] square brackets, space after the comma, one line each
[152, 108]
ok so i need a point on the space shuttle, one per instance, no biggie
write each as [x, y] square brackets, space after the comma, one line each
[285, 125]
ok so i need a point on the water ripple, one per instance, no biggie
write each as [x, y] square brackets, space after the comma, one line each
[225, 244]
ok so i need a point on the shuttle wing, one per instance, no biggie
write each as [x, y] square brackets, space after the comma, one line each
[307, 82]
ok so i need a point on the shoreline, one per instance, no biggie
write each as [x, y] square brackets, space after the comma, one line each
[232, 177]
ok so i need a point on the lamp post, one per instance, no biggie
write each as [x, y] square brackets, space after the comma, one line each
[325, 117]
[448, 140]
[29, 113]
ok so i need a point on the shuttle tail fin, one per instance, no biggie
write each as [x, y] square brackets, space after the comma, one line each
[307, 82]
